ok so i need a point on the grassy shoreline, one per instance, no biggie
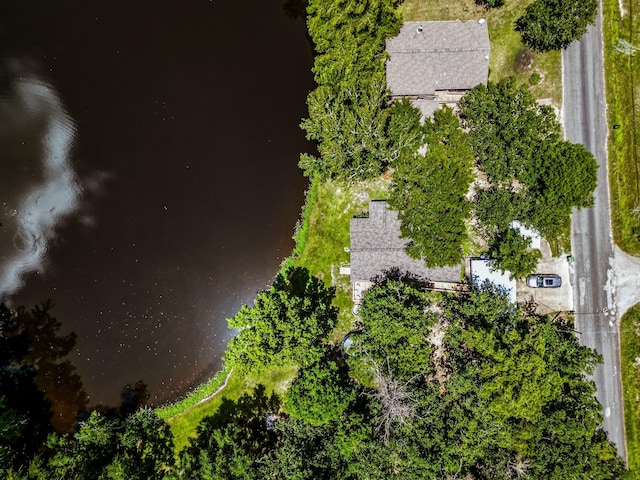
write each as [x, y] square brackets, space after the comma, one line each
[184, 416]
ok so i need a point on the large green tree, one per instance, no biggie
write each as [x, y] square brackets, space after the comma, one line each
[54, 374]
[513, 253]
[287, 325]
[534, 177]
[348, 112]
[350, 127]
[145, 448]
[88, 452]
[320, 393]
[105, 446]
[563, 177]
[429, 192]
[394, 324]
[25, 421]
[507, 128]
[518, 375]
[554, 24]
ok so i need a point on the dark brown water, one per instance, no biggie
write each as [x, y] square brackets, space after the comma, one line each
[148, 178]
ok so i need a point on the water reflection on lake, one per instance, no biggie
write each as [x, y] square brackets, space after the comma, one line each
[39, 186]
[148, 178]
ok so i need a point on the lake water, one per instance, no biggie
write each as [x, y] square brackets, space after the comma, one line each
[148, 174]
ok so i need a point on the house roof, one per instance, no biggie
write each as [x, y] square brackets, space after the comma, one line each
[376, 246]
[430, 56]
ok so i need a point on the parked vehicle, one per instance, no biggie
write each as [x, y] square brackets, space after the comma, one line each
[544, 280]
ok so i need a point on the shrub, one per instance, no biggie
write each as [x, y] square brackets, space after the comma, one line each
[524, 59]
[534, 79]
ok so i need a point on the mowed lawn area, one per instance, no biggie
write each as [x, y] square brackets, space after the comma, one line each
[506, 44]
[183, 425]
[623, 97]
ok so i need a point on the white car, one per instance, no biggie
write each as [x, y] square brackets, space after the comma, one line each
[544, 280]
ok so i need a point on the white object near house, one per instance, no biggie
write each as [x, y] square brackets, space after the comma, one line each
[483, 270]
[526, 232]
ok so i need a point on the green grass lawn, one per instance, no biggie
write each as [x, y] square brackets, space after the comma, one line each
[328, 237]
[622, 72]
[505, 41]
[629, 352]
[183, 425]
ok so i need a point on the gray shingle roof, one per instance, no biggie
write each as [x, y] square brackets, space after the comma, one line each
[441, 56]
[376, 246]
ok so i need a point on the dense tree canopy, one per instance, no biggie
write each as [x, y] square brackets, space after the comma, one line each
[492, 391]
[507, 128]
[350, 127]
[525, 374]
[320, 393]
[288, 324]
[429, 192]
[25, 420]
[348, 112]
[403, 349]
[513, 253]
[54, 374]
[138, 447]
[533, 176]
[564, 176]
[554, 24]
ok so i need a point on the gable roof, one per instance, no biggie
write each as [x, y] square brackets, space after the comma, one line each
[430, 56]
[376, 246]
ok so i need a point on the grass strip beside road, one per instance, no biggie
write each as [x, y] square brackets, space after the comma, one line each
[629, 353]
[621, 72]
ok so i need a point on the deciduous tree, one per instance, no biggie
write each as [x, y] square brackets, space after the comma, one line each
[535, 177]
[54, 375]
[146, 448]
[554, 24]
[513, 253]
[507, 128]
[288, 324]
[394, 325]
[348, 112]
[429, 192]
[320, 393]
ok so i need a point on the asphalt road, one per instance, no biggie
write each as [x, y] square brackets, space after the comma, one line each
[593, 280]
